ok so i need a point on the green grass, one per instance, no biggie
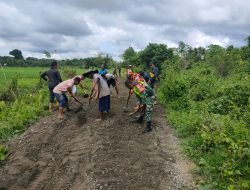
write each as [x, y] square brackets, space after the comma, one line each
[28, 76]
[24, 72]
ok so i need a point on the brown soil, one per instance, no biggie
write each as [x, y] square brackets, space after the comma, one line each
[79, 153]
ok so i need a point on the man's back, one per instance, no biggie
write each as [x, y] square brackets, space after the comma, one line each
[104, 89]
[54, 77]
[63, 86]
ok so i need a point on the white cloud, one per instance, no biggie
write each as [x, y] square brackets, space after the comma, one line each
[197, 38]
[215, 15]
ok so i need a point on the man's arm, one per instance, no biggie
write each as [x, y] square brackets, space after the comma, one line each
[69, 89]
[106, 71]
[43, 76]
[98, 87]
[96, 83]
[129, 94]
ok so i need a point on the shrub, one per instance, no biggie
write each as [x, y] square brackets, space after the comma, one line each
[3, 152]
[173, 87]
[211, 115]
[68, 72]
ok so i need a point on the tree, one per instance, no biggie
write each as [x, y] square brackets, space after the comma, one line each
[16, 53]
[129, 57]
[102, 58]
[183, 49]
[199, 53]
[128, 54]
[156, 53]
[245, 53]
[224, 61]
[248, 41]
[214, 51]
[47, 54]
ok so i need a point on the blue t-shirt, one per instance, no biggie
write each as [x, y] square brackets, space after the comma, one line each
[155, 70]
[146, 77]
[103, 72]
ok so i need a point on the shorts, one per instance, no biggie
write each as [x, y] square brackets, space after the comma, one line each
[62, 99]
[51, 94]
[111, 82]
[104, 104]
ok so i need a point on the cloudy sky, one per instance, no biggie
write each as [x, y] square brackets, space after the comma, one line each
[82, 28]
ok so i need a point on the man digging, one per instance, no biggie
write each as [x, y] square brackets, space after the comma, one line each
[60, 93]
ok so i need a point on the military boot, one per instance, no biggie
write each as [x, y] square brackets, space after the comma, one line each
[148, 127]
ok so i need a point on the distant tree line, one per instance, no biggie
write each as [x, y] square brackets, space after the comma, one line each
[222, 58]
[153, 52]
[17, 60]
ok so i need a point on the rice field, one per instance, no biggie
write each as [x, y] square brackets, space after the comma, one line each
[27, 76]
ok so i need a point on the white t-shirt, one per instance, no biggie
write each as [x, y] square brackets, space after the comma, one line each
[110, 76]
[104, 89]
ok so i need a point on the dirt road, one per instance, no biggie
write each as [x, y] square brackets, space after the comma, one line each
[80, 154]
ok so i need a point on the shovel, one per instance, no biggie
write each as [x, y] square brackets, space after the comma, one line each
[126, 109]
[81, 107]
[136, 110]
[89, 105]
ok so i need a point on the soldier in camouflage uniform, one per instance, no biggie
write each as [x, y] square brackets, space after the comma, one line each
[147, 100]
[145, 95]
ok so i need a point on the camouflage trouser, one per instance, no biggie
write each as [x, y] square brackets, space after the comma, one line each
[148, 109]
[147, 99]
